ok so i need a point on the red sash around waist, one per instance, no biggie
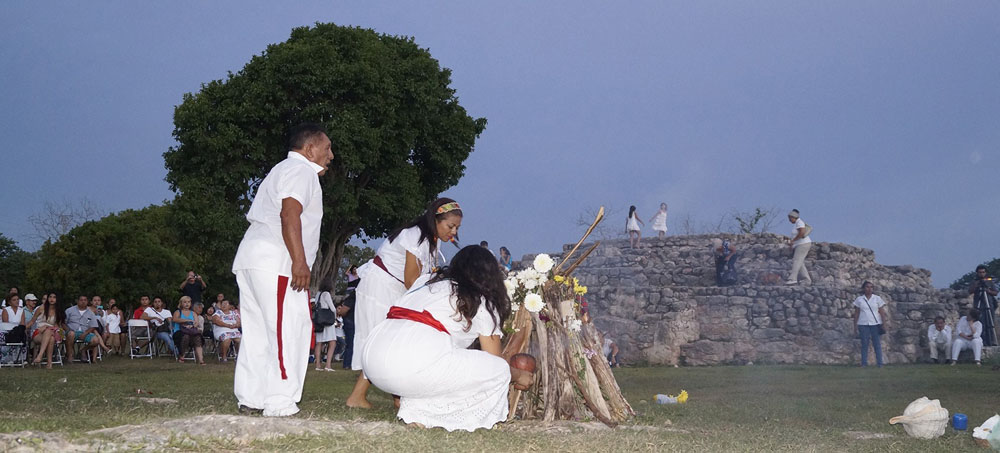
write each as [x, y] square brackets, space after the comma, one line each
[378, 262]
[422, 317]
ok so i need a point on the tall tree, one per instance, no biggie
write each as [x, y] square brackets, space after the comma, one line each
[13, 264]
[399, 137]
[123, 255]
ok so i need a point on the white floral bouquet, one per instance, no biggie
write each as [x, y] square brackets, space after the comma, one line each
[525, 287]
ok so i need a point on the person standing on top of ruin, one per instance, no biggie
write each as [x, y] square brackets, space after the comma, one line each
[632, 227]
[725, 262]
[939, 339]
[984, 294]
[659, 221]
[800, 244]
[869, 315]
[410, 252]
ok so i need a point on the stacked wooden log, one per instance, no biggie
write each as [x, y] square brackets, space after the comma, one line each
[573, 380]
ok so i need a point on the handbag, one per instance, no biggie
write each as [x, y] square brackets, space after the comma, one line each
[808, 229]
[163, 328]
[190, 330]
[881, 328]
[323, 317]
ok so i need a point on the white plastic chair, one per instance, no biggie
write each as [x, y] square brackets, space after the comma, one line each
[141, 326]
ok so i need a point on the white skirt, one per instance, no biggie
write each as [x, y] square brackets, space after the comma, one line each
[329, 333]
[438, 385]
[375, 294]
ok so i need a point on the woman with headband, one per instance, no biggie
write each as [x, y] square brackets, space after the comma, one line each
[409, 252]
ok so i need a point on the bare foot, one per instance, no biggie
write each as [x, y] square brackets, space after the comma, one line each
[417, 425]
[358, 404]
[395, 401]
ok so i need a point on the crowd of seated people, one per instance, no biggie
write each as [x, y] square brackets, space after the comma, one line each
[47, 331]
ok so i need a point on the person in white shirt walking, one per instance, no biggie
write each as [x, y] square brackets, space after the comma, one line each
[800, 244]
[969, 333]
[272, 268]
[939, 339]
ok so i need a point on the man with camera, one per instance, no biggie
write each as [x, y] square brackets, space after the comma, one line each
[984, 293]
[193, 286]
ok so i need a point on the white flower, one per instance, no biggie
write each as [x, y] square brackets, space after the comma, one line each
[543, 263]
[514, 306]
[575, 325]
[511, 287]
[533, 302]
[530, 284]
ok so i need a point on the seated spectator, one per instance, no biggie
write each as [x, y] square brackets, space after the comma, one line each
[226, 326]
[939, 339]
[96, 306]
[50, 319]
[113, 328]
[81, 324]
[610, 351]
[159, 320]
[12, 315]
[139, 331]
[970, 336]
[725, 262]
[505, 259]
[199, 321]
[186, 332]
[30, 305]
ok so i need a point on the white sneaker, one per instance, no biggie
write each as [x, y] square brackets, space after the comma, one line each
[791, 282]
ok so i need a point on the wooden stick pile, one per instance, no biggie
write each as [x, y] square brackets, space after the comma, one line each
[573, 380]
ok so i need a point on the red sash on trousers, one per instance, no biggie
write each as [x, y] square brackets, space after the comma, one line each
[422, 317]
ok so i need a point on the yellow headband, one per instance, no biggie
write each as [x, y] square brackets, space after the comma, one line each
[448, 207]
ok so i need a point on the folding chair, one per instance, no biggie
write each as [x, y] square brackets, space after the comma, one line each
[13, 354]
[138, 330]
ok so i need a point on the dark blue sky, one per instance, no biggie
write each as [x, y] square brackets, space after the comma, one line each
[880, 121]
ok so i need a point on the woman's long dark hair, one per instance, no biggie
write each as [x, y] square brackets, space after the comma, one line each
[60, 313]
[476, 278]
[631, 210]
[428, 223]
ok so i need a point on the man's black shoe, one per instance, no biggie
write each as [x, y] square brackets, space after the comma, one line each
[247, 410]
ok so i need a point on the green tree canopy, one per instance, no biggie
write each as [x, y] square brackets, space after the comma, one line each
[965, 281]
[124, 256]
[13, 264]
[399, 138]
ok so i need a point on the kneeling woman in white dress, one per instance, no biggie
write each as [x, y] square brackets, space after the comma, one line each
[419, 352]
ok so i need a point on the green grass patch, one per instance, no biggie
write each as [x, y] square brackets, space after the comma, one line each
[749, 408]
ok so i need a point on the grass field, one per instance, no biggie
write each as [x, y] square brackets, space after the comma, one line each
[751, 408]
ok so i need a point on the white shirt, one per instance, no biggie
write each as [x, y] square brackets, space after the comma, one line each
[263, 246]
[157, 317]
[938, 336]
[976, 330]
[111, 321]
[437, 299]
[868, 317]
[799, 223]
[393, 254]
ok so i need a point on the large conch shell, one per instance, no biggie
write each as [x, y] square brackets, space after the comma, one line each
[923, 418]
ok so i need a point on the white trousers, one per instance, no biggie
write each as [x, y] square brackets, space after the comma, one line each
[961, 343]
[274, 352]
[799, 271]
[937, 347]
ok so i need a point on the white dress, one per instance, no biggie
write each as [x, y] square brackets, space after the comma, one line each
[660, 222]
[329, 333]
[378, 290]
[633, 223]
[439, 381]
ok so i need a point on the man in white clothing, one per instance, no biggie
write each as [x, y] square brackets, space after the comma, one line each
[970, 333]
[939, 339]
[272, 268]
